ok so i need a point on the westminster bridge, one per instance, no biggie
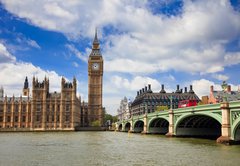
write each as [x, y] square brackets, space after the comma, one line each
[221, 121]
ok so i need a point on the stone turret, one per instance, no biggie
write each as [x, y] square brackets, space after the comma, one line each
[26, 87]
[74, 89]
[1, 92]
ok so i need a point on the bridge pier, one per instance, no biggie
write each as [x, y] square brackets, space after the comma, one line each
[171, 124]
[131, 126]
[145, 127]
[225, 138]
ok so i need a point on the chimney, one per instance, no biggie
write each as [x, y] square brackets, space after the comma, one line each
[137, 93]
[191, 89]
[149, 87]
[229, 88]
[142, 90]
[185, 90]
[211, 89]
[145, 88]
[178, 91]
[162, 90]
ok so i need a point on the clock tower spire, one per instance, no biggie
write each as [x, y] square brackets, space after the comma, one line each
[95, 74]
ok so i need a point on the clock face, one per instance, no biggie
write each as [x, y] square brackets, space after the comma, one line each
[95, 66]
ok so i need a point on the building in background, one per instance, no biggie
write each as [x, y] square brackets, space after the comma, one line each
[226, 94]
[124, 111]
[148, 101]
[43, 110]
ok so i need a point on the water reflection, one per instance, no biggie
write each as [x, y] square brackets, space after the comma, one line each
[111, 148]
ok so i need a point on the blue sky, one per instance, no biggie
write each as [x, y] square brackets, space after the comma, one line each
[143, 42]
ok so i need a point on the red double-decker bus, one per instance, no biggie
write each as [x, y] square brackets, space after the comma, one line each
[187, 103]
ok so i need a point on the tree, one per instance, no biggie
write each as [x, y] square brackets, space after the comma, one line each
[161, 108]
[108, 117]
[96, 123]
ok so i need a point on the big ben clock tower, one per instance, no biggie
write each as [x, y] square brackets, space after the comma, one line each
[95, 74]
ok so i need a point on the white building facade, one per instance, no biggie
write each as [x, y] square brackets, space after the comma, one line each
[123, 111]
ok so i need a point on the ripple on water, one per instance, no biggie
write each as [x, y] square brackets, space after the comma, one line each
[111, 148]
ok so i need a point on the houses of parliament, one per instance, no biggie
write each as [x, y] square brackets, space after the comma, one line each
[42, 110]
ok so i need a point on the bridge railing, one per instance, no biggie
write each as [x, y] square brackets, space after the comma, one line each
[234, 104]
[199, 108]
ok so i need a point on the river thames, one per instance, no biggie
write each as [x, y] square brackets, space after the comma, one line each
[111, 148]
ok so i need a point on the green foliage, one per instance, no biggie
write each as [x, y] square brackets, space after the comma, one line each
[224, 85]
[161, 108]
[200, 103]
[109, 117]
[114, 119]
[96, 123]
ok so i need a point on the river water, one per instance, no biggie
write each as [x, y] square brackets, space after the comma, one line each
[111, 148]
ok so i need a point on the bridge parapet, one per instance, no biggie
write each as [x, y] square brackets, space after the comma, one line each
[199, 108]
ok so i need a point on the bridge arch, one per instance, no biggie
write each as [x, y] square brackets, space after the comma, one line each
[127, 126]
[198, 125]
[236, 130]
[138, 126]
[158, 125]
[120, 127]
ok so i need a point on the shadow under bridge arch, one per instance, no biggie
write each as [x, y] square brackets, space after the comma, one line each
[201, 126]
[236, 130]
[158, 126]
[138, 126]
[120, 127]
[127, 126]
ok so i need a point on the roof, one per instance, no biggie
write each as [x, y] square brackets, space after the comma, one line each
[165, 97]
[24, 98]
[230, 96]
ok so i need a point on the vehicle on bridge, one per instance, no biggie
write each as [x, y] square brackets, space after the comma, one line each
[187, 103]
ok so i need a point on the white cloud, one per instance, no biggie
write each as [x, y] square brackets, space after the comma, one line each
[138, 82]
[5, 56]
[115, 87]
[15, 73]
[54, 9]
[76, 52]
[232, 58]
[191, 42]
[202, 87]
[33, 43]
[221, 77]
[75, 64]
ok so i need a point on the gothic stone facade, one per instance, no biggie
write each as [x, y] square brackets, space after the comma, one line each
[95, 74]
[44, 110]
[123, 111]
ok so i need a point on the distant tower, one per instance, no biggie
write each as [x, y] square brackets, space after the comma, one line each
[26, 87]
[1, 92]
[95, 74]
